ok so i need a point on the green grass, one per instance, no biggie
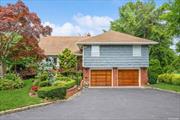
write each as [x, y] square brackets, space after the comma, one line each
[166, 86]
[10, 99]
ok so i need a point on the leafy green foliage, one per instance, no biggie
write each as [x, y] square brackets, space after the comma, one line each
[44, 83]
[169, 78]
[52, 92]
[68, 60]
[154, 70]
[74, 75]
[66, 82]
[11, 81]
[172, 16]
[178, 47]
[145, 20]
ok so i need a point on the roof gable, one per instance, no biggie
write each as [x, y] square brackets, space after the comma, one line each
[112, 37]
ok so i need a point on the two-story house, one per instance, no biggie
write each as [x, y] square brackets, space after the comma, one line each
[110, 59]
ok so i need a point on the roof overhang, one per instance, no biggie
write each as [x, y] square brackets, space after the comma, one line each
[116, 43]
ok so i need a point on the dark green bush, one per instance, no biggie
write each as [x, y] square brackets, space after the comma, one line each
[154, 70]
[52, 92]
[44, 83]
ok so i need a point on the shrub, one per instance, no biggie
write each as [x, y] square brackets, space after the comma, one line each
[154, 70]
[176, 79]
[11, 81]
[6, 84]
[44, 83]
[59, 83]
[34, 88]
[68, 84]
[36, 82]
[166, 78]
[169, 78]
[11, 76]
[52, 92]
[18, 83]
[63, 78]
[42, 76]
[73, 75]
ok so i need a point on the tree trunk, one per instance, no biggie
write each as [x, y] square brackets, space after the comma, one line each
[2, 69]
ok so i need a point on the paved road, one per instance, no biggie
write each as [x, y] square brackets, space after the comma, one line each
[104, 104]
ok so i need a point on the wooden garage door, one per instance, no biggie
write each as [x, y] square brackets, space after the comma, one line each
[128, 77]
[101, 77]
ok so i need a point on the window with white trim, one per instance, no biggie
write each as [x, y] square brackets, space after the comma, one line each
[95, 51]
[136, 50]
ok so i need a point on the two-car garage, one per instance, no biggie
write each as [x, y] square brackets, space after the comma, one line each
[125, 77]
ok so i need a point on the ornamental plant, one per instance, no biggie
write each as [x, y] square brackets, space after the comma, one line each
[68, 60]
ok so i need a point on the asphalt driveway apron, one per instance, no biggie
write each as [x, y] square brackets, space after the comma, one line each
[108, 104]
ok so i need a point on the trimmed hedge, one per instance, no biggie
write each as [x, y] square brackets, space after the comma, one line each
[44, 83]
[169, 78]
[68, 84]
[52, 92]
[63, 79]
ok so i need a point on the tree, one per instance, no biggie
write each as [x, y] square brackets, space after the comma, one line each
[154, 70]
[67, 60]
[145, 20]
[172, 16]
[17, 20]
[178, 47]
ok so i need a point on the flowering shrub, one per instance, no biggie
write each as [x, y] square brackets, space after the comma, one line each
[34, 88]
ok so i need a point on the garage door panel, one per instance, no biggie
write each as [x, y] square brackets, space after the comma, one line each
[128, 77]
[101, 77]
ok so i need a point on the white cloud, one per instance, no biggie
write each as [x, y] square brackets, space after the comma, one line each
[82, 24]
[92, 21]
[65, 30]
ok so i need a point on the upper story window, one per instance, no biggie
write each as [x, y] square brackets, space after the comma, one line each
[95, 50]
[136, 50]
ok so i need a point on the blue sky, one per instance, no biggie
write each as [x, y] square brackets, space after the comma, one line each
[73, 17]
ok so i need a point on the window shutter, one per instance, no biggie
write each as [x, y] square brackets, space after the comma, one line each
[95, 51]
[136, 50]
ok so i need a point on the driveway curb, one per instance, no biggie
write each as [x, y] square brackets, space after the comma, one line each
[36, 105]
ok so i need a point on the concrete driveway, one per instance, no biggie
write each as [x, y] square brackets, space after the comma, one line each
[112, 104]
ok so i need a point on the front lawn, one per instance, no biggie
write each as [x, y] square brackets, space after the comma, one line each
[166, 86]
[10, 99]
